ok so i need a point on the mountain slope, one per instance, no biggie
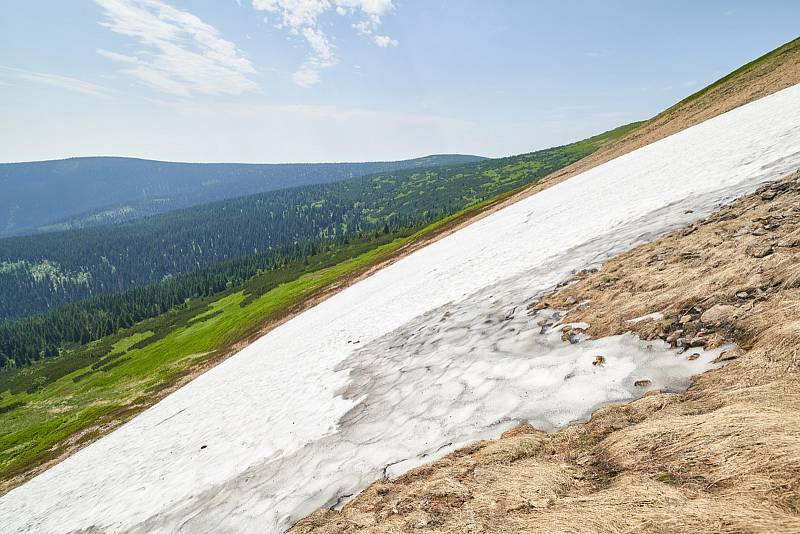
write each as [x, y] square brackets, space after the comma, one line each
[722, 457]
[775, 70]
[44, 271]
[432, 351]
[52, 195]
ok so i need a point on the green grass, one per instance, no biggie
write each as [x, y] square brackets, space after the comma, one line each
[49, 415]
[741, 70]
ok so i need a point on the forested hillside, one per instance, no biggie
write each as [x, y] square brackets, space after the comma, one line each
[79, 192]
[42, 272]
[99, 280]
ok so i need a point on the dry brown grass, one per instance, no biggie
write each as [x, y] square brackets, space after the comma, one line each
[722, 457]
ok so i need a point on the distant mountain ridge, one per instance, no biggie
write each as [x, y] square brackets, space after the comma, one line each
[79, 192]
[43, 271]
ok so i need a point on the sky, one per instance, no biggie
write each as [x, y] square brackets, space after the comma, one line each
[355, 80]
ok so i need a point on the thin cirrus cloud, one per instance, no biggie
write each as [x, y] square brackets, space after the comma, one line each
[177, 52]
[301, 18]
[55, 80]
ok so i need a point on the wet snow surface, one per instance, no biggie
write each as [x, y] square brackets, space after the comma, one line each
[429, 353]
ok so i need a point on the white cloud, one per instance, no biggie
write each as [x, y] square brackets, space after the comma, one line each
[306, 76]
[384, 40]
[178, 53]
[60, 82]
[301, 18]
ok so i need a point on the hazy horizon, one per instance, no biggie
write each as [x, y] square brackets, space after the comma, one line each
[274, 81]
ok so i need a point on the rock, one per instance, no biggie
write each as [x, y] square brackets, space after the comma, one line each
[790, 241]
[759, 250]
[683, 342]
[725, 356]
[743, 295]
[672, 338]
[720, 313]
[768, 195]
[758, 232]
[642, 383]
[599, 360]
[696, 342]
[686, 319]
[569, 334]
[694, 356]
[539, 305]
[570, 301]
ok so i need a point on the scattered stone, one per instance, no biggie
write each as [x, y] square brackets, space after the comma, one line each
[720, 313]
[689, 255]
[725, 356]
[642, 383]
[570, 301]
[790, 241]
[673, 338]
[539, 305]
[599, 360]
[759, 250]
[686, 319]
[203, 447]
[566, 335]
[743, 295]
[694, 356]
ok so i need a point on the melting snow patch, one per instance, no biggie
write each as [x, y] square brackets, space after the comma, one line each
[446, 355]
[657, 316]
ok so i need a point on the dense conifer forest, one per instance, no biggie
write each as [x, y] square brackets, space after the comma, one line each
[82, 285]
[80, 192]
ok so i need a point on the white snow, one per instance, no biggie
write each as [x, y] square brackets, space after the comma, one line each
[445, 355]
[655, 316]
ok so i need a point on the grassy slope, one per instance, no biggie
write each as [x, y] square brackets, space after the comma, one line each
[45, 412]
[758, 63]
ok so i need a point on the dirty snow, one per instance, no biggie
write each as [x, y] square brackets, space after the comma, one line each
[431, 352]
